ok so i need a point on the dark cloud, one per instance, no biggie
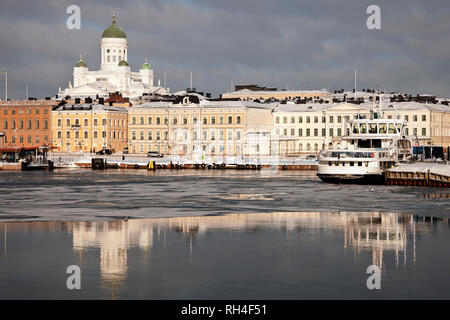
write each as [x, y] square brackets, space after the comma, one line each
[307, 44]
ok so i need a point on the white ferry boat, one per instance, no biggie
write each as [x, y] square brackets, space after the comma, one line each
[370, 147]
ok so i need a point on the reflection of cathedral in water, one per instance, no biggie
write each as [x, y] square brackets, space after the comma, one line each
[114, 239]
[374, 232]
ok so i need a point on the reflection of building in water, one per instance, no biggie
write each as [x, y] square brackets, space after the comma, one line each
[113, 239]
[365, 231]
[378, 234]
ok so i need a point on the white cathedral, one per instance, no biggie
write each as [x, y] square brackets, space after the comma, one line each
[114, 74]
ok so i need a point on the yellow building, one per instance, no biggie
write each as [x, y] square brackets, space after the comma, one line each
[89, 128]
[213, 128]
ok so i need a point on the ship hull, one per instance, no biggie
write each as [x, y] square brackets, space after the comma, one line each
[353, 179]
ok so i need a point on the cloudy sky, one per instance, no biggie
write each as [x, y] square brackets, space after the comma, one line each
[301, 44]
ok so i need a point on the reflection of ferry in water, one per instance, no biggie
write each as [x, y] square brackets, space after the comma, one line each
[370, 147]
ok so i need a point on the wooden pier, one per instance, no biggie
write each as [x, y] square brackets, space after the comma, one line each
[420, 174]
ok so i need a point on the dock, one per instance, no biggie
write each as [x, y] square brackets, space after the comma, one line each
[425, 174]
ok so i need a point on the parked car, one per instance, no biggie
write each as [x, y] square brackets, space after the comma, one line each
[311, 157]
[125, 150]
[105, 152]
[154, 154]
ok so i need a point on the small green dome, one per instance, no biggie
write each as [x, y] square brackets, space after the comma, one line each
[81, 64]
[146, 66]
[123, 63]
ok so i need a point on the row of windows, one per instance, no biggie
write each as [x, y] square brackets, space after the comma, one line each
[307, 132]
[149, 135]
[112, 122]
[29, 139]
[76, 135]
[315, 119]
[310, 119]
[21, 111]
[184, 120]
[20, 124]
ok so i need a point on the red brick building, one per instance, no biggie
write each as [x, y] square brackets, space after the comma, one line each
[25, 123]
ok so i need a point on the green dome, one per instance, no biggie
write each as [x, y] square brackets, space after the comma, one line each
[123, 63]
[81, 64]
[113, 31]
[146, 66]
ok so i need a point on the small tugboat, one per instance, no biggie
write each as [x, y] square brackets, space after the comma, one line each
[370, 147]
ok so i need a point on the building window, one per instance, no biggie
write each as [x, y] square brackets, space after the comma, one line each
[86, 122]
[424, 117]
[220, 119]
[68, 122]
[324, 119]
[59, 135]
[149, 135]
[77, 135]
[166, 120]
[331, 132]
[185, 120]
[331, 119]
[95, 135]
[238, 135]
[300, 119]
[339, 120]
[95, 122]
[141, 120]
[86, 135]
[221, 135]
[67, 134]
[292, 132]
[29, 124]
[316, 119]
[230, 135]
[174, 120]
[238, 119]
[308, 119]
[103, 122]
[407, 118]
[424, 131]
[194, 120]
[21, 124]
[316, 132]
[300, 132]
[277, 119]
[133, 120]
[339, 132]
[59, 122]
[5, 124]
[36, 124]
[324, 132]
[213, 120]
[45, 124]
[292, 119]
[141, 135]
[13, 124]
[308, 132]
[158, 135]
[103, 134]
[415, 118]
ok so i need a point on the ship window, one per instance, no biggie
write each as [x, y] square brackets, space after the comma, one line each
[382, 127]
[392, 128]
[355, 128]
[330, 163]
[352, 164]
[343, 164]
[372, 128]
[363, 128]
[360, 164]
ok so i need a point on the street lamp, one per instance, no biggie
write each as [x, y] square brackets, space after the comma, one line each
[6, 84]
